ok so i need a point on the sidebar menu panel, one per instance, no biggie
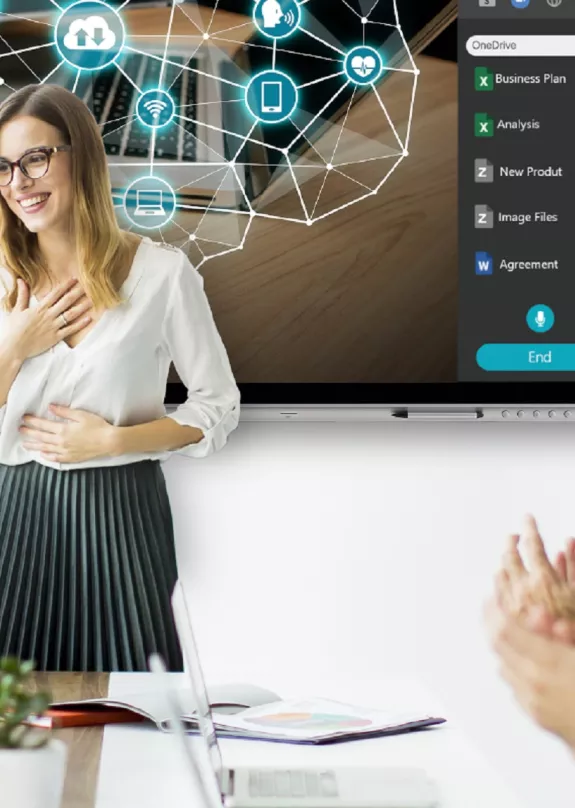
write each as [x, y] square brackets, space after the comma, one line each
[517, 190]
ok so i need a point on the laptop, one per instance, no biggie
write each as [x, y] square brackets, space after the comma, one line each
[207, 81]
[320, 787]
[188, 156]
[174, 710]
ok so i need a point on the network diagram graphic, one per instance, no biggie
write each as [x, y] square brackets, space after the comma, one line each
[192, 125]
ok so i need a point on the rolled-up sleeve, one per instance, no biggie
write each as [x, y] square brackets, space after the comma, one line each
[201, 361]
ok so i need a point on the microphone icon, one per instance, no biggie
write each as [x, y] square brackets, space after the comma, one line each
[540, 318]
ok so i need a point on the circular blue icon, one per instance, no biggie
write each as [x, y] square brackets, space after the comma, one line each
[89, 34]
[271, 96]
[363, 65]
[155, 108]
[520, 3]
[149, 203]
[277, 19]
[540, 319]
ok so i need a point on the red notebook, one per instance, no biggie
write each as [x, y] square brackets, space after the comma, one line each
[56, 718]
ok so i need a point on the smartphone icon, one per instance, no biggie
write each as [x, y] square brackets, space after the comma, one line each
[271, 96]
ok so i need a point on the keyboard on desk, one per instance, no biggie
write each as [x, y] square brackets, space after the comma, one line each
[114, 99]
[284, 783]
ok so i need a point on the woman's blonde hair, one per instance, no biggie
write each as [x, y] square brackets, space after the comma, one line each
[102, 250]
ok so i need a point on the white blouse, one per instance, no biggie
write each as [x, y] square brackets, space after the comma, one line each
[120, 368]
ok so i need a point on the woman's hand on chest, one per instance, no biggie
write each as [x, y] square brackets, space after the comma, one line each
[28, 331]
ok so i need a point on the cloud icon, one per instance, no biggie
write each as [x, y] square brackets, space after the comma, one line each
[92, 33]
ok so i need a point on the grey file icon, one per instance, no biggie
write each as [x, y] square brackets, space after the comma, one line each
[487, 3]
[484, 217]
[484, 171]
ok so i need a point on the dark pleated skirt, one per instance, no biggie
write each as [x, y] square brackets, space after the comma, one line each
[87, 567]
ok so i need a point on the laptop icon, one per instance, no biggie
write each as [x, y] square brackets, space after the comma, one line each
[149, 203]
[320, 787]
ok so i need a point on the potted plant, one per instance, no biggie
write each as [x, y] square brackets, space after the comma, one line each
[32, 763]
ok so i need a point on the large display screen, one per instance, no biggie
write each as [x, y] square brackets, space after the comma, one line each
[371, 189]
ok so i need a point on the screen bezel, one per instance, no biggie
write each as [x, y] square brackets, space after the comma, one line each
[392, 394]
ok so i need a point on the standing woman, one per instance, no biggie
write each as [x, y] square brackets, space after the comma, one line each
[90, 318]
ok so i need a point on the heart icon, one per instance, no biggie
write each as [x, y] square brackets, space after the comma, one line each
[363, 65]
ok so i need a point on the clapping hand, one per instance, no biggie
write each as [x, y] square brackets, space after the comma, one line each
[531, 625]
[534, 582]
[539, 665]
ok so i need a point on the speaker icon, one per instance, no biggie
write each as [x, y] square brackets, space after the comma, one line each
[277, 19]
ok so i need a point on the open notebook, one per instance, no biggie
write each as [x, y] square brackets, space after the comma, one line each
[248, 711]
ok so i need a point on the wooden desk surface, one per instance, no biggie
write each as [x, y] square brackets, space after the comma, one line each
[369, 294]
[84, 743]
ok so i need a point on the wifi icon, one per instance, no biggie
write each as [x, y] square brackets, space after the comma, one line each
[155, 108]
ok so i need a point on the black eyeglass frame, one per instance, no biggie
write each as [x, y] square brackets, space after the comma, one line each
[46, 150]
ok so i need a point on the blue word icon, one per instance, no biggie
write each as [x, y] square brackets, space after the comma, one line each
[483, 263]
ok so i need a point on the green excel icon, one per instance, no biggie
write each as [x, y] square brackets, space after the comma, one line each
[484, 126]
[484, 79]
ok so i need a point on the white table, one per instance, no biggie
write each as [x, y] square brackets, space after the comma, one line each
[142, 767]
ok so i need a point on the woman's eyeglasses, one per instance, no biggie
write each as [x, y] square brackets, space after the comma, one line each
[33, 163]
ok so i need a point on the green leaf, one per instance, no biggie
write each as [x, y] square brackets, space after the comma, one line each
[10, 665]
[37, 704]
[26, 668]
[18, 703]
[8, 681]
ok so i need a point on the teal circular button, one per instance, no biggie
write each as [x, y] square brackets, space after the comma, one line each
[540, 319]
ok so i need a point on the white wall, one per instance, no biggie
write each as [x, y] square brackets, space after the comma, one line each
[374, 544]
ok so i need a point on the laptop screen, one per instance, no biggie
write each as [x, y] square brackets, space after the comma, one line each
[205, 719]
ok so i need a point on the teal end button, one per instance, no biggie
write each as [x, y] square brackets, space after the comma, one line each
[512, 357]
